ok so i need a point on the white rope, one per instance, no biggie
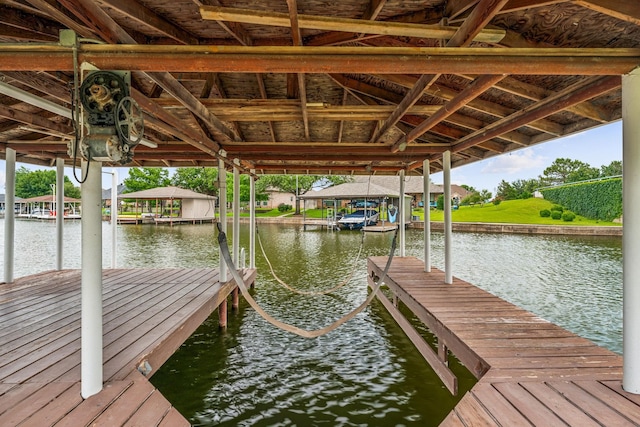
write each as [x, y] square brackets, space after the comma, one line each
[297, 291]
[328, 291]
[224, 249]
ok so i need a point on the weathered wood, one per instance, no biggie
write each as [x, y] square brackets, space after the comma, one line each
[307, 59]
[535, 373]
[147, 314]
[334, 23]
[439, 366]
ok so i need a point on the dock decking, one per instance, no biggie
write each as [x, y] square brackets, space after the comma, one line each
[148, 314]
[531, 372]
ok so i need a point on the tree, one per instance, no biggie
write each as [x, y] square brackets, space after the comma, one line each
[40, 182]
[297, 184]
[583, 173]
[485, 196]
[201, 180]
[524, 188]
[612, 169]
[469, 188]
[564, 170]
[146, 178]
[71, 190]
[506, 191]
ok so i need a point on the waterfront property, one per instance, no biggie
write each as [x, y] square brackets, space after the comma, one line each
[147, 314]
[391, 88]
[172, 205]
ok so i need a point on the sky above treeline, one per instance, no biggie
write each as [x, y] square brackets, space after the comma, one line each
[597, 147]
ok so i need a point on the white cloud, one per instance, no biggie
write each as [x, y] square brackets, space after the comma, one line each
[515, 162]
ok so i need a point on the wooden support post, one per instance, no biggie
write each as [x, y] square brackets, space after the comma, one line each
[443, 352]
[235, 300]
[222, 314]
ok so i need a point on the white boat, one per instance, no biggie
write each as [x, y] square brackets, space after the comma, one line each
[358, 219]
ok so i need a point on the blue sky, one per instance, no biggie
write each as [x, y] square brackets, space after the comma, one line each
[596, 147]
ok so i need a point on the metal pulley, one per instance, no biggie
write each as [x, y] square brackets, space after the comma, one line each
[113, 120]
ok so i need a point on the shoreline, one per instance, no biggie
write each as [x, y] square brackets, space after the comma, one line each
[487, 227]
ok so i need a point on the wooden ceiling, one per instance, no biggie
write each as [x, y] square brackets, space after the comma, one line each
[345, 87]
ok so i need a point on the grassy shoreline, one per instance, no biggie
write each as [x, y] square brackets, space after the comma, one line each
[525, 211]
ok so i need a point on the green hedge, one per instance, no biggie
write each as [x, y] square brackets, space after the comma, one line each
[595, 200]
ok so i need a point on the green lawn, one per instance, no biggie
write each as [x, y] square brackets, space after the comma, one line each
[510, 211]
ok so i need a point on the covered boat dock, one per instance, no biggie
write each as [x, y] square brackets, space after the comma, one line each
[389, 88]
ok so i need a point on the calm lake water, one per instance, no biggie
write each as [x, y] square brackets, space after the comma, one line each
[366, 372]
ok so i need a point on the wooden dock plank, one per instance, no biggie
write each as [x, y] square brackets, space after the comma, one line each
[151, 412]
[94, 406]
[33, 402]
[174, 419]
[559, 404]
[535, 372]
[123, 408]
[591, 405]
[614, 397]
[147, 313]
[55, 410]
[495, 403]
[532, 409]
[471, 413]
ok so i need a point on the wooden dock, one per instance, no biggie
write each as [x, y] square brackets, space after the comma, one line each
[161, 220]
[148, 314]
[530, 371]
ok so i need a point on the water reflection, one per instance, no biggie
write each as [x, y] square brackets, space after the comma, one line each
[366, 372]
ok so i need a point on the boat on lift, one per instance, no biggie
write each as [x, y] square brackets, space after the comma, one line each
[358, 219]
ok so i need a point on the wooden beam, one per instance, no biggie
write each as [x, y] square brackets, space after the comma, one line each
[472, 26]
[414, 94]
[333, 23]
[486, 107]
[145, 16]
[35, 120]
[570, 96]
[475, 89]
[626, 10]
[297, 41]
[54, 10]
[308, 59]
[314, 148]
[285, 110]
[373, 9]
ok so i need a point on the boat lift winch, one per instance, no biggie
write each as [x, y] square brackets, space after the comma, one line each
[113, 121]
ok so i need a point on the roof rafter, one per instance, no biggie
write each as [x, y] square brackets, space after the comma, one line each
[145, 16]
[342, 24]
[627, 10]
[480, 85]
[570, 96]
[471, 27]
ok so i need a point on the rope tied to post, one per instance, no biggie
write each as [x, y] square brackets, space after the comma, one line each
[224, 250]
